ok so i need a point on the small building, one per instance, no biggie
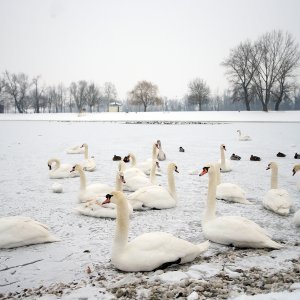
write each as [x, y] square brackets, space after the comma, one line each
[115, 107]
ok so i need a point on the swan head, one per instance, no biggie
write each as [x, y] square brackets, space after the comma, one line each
[296, 169]
[158, 142]
[76, 168]
[84, 145]
[173, 167]
[122, 178]
[114, 197]
[208, 169]
[223, 147]
[238, 131]
[271, 165]
[49, 166]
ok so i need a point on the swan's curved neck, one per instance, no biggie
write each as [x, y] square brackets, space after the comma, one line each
[152, 173]
[218, 174]
[171, 183]
[210, 211]
[119, 183]
[133, 160]
[154, 152]
[121, 234]
[57, 163]
[82, 179]
[222, 157]
[86, 152]
[274, 177]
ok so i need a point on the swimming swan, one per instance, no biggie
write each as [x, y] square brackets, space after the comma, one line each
[132, 170]
[149, 251]
[161, 154]
[231, 230]
[91, 191]
[243, 137]
[276, 200]
[88, 164]
[155, 196]
[75, 150]
[229, 191]
[20, 231]
[295, 170]
[225, 163]
[95, 208]
[146, 165]
[59, 171]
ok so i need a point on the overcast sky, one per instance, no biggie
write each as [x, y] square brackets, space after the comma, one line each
[167, 42]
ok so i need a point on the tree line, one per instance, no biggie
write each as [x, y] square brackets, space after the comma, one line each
[261, 74]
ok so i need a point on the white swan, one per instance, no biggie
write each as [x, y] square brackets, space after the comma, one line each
[75, 150]
[296, 218]
[231, 230]
[277, 200]
[224, 163]
[95, 208]
[229, 191]
[20, 231]
[59, 171]
[295, 170]
[88, 164]
[138, 181]
[132, 170]
[243, 137]
[91, 191]
[161, 154]
[149, 251]
[155, 196]
[146, 166]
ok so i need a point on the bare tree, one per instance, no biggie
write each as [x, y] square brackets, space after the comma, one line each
[93, 95]
[78, 92]
[198, 92]
[145, 93]
[110, 93]
[17, 86]
[37, 94]
[241, 66]
[279, 58]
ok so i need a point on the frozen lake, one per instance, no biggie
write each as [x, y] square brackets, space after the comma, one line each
[26, 190]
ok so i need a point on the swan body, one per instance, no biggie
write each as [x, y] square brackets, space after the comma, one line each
[296, 218]
[20, 231]
[224, 163]
[277, 200]
[96, 208]
[133, 170]
[161, 154]
[243, 137]
[231, 230]
[149, 251]
[155, 196]
[60, 171]
[88, 164]
[295, 170]
[229, 191]
[91, 191]
[75, 150]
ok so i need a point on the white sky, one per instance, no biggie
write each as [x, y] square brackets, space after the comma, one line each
[167, 42]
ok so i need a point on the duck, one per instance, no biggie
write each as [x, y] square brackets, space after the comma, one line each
[116, 158]
[297, 156]
[255, 158]
[91, 191]
[161, 156]
[243, 137]
[296, 168]
[156, 197]
[96, 208]
[88, 164]
[231, 230]
[296, 218]
[146, 166]
[18, 231]
[137, 181]
[149, 251]
[75, 150]
[277, 200]
[60, 171]
[235, 157]
[181, 149]
[224, 163]
[229, 191]
[280, 154]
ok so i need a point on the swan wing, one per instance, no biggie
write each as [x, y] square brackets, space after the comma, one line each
[278, 200]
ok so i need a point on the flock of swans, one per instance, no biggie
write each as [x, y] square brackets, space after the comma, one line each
[136, 188]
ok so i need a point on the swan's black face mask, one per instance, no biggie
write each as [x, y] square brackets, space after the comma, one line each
[294, 172]
[126, 159]
[122, 179]
[204, 171]
[224, 148]
[176, 170]
[49, 167]
[107, 200]
[73, 169]
[268, 167]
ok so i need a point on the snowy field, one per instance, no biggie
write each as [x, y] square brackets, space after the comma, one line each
[59, 270]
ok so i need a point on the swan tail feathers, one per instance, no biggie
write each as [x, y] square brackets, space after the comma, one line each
[274, 245]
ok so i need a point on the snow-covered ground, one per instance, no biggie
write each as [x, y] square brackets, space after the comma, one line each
[86, 241]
